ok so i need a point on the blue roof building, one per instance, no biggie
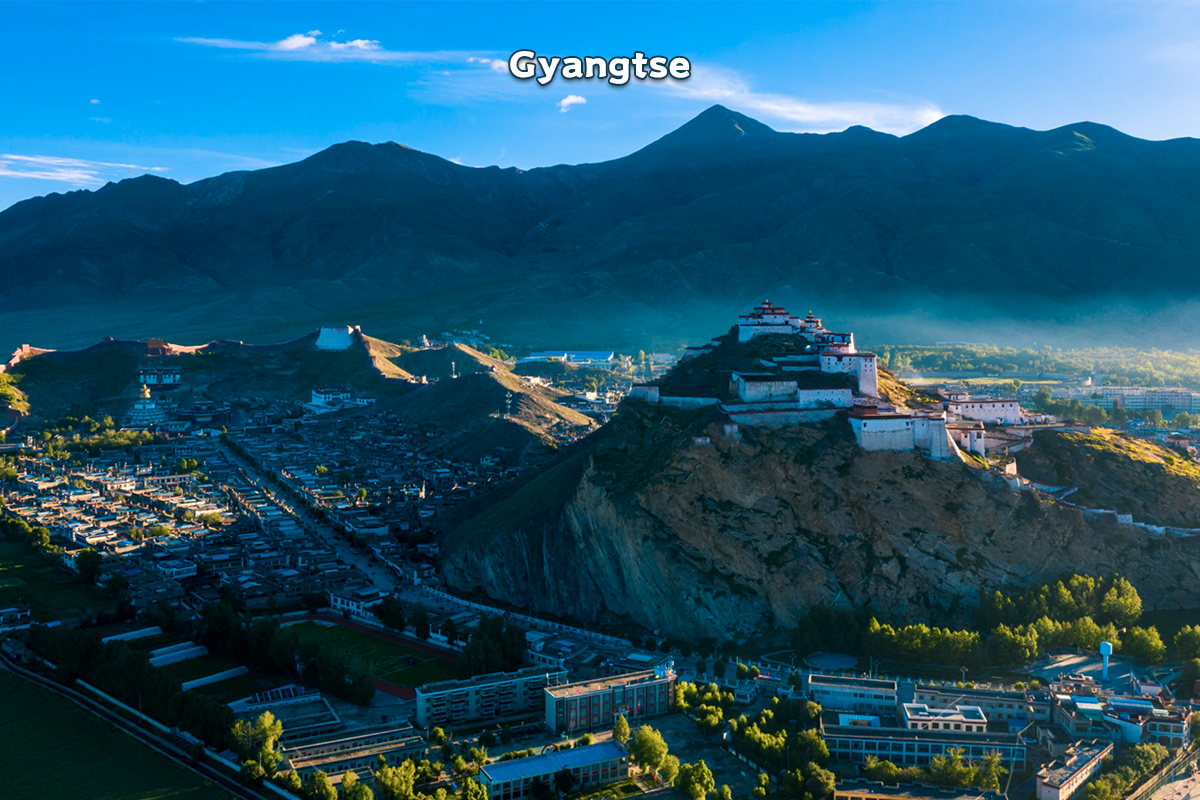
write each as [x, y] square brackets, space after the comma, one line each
[590, 766]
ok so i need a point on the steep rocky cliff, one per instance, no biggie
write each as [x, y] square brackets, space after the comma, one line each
[736, 536]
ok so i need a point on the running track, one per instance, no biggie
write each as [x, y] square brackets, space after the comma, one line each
[387, 687]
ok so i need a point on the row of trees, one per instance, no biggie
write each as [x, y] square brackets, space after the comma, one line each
[1124, 366]
[783, 734]
[1110, 599]
[649, 752]
[1078, 611]
[950, 770]
[263, 644]
[1119, 775]
[496, 645]
[126, 674]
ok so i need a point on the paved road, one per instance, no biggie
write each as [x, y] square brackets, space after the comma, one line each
[155, 741]
[377, 574]
[1185, 788]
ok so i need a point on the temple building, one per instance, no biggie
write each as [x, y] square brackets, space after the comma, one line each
[145, 411]
[811, 375]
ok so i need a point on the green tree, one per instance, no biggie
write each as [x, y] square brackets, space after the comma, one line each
[1144, 644]
[252, 773]
[318, 787]
[420, 623]
[474, 790]
[991, 772]
[620, 729]
[882, 771]
[87, 563]
[1187, 641]
[353, 789]
[695, 780]
[669, 770]
[587, 739]
[396, 783]
[820, 781]
[647, 749]
[390, 613]
[809, 746]
[1121, 604]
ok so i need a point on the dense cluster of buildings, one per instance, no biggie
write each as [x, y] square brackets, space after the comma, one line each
[1062, 732]
[177, 536]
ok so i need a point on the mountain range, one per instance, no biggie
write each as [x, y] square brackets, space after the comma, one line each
[964, 229]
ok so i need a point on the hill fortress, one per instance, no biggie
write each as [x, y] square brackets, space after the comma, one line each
[808, 374]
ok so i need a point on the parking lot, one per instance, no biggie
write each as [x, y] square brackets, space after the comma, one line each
[690, 746]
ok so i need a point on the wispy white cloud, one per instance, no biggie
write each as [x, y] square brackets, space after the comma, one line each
[94, 102]
[74, 171]
[728, 87]
[495, 64]
[565, 104]
[314, 46]
[105, 120]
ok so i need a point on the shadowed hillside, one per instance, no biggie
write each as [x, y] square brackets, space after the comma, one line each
[966, 226]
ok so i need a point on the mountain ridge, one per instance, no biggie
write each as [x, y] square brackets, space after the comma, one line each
[973, 222]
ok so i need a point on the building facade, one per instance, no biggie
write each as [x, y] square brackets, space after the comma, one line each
[851, 694]
[485, 697]
[589, 767]
[1062, 779]
[597, 704]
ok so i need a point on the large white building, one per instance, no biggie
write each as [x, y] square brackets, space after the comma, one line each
[920, 717]
[1003, 411]
[877, 429]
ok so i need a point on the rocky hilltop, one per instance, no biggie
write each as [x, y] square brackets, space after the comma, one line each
[664, 518]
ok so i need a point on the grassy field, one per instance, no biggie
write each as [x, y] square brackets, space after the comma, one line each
[57, 749]
[379, 657]
[51, 593]
[236, 688]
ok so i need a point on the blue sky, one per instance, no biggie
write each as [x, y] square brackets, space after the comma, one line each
[102, 91]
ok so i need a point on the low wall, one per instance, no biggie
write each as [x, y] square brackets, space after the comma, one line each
[533, 622]
[688, 402]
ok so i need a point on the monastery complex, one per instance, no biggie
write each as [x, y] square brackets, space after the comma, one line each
[815, 373]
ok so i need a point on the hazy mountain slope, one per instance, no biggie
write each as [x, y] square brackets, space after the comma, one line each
[968, 218]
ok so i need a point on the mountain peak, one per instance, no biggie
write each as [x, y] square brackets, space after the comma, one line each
[961, 127]
[718, 125]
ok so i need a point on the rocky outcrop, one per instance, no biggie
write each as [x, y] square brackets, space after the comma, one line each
[734, 536]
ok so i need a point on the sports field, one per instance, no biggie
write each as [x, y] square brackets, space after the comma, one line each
[26, 576]
[379, 657]
[56, 749]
